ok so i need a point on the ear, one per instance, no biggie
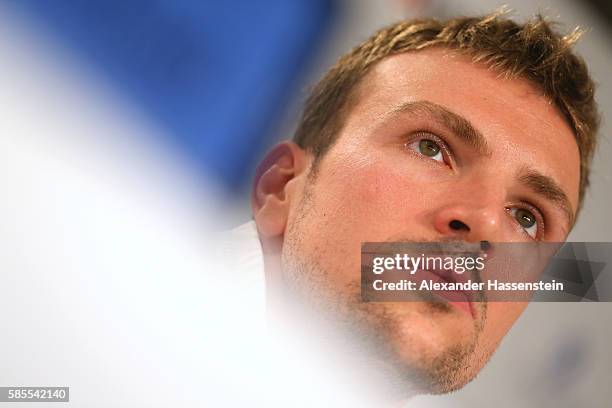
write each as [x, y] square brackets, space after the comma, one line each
[270, 200]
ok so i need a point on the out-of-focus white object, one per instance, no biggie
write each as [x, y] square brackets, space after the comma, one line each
[106, 279]
[111, 278]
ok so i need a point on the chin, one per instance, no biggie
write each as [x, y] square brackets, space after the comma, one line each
[433, 352]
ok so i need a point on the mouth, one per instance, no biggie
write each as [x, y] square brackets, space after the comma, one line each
[460, 299]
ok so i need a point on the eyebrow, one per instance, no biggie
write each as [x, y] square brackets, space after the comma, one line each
[537, 182]
[458, 125]
[548, 188]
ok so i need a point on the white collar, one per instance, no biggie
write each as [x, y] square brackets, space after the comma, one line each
[243, 255]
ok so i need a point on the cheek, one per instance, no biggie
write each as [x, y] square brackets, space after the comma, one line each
[366, 196]
[375, 199]
[349, 202]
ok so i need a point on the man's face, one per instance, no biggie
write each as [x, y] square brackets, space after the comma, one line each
[435, 148]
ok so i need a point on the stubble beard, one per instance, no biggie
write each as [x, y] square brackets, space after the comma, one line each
[365, 331]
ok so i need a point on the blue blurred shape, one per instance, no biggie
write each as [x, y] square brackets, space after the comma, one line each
[215, 74]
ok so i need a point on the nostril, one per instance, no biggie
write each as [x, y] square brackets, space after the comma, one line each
[485, 245]
[458, 225]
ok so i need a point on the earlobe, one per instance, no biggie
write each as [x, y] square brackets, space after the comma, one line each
[270, 200]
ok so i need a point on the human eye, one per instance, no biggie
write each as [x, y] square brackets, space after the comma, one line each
[429, 146]
[529, 220]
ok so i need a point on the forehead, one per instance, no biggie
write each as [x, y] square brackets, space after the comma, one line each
[520, 124]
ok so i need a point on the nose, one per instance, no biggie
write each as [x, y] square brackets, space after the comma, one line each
[468, 222]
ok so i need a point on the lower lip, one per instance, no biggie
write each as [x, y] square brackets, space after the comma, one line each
[452, 296]
[464, 306]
